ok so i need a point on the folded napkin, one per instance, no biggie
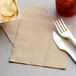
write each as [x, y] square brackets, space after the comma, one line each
[31, 36]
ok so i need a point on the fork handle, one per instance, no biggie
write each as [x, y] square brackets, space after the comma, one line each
[71, 53]
[73, 40]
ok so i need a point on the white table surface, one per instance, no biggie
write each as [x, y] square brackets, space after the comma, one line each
[13, 69]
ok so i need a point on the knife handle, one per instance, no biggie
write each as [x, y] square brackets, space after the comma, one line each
[71, 53]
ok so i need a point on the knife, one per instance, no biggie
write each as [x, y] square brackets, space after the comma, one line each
[62, 46]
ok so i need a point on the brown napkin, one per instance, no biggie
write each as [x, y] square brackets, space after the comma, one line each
[11, 28]
[32, 38]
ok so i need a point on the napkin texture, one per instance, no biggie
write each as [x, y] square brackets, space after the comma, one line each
[31, 36]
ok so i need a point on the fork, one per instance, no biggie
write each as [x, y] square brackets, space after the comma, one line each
[64, 31]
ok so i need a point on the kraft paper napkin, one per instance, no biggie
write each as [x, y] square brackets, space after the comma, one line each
[11, 28]
[32, 38]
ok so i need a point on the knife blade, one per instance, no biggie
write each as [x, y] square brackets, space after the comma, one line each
[62, 46]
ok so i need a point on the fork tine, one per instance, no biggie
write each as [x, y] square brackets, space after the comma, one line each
[57, 27]
[60, 22]
[64, 24]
